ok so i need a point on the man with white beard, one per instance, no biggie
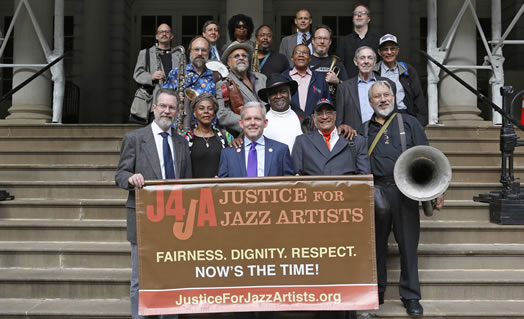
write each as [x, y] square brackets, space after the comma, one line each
[152, 152]
[390, 133]
[241, 85]
[197, 76]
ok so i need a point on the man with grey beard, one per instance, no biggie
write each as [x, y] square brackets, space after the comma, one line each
[400, 131]
[197, 76]
[152, 152]
[241, 85]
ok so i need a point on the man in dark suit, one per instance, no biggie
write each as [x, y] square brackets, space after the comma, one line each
[352, 102]
[258, 155]
[312, 85]
[303, 21]
[323, 152]
[210, 32]
[148, 153]
[360, 36]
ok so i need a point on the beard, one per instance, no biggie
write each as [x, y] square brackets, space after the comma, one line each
[385, 112]
[164, 122]
[321, 52]
[199, 61]
[241, 67]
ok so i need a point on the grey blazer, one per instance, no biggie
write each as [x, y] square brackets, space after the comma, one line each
[228, 118]
[141, 76]
[311, 156]
[287, 45]
[139, 155]
[348, 103]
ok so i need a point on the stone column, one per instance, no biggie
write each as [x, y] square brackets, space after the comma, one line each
[32, 104]
[457, 105]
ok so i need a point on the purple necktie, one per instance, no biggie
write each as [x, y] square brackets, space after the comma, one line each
[252, 167]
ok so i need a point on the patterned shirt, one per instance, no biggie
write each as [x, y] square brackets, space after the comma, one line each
[203, 83]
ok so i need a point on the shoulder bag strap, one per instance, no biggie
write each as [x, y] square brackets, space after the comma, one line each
[402, 132]
[377, 138]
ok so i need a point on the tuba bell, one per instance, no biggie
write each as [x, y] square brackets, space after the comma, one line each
[422, 173]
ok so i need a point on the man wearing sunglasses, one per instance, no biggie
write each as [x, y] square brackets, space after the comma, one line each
[359, 37]
[409, 95]
[239, 87]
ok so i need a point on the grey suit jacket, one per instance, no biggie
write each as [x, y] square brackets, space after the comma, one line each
[348, 103]
[311, 156]
[142, 77]
[139, 155]
[226, 117]
[287, 45]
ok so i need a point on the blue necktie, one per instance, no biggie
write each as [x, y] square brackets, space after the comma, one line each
[169, 168]
[252, 167]
[215, 55]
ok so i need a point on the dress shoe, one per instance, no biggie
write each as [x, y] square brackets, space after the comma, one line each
[413, 307]
[380, 299]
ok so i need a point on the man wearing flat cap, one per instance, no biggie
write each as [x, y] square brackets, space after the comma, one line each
[323, 152]
[239, 87]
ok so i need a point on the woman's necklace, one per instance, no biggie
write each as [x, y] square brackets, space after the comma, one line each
[206, 139]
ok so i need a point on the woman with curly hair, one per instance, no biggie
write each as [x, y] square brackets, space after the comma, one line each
[206, 141]
[240, 28]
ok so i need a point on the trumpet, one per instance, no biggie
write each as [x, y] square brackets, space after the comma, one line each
[333, 67]
[254, 60]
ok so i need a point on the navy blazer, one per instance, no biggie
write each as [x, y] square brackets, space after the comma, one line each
[318, 89]
[277, 160]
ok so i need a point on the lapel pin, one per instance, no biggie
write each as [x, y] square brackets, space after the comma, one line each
[270, 150]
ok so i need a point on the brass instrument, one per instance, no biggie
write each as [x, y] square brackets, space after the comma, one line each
[422, 173]
[336, 69]
[254, 60]
[180, 116]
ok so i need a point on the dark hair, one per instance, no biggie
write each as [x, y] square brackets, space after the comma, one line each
[205, 97]
[258, 29]
[190, 47]
[323, 26]
[234, 20]
[360, 4]
[207, 23]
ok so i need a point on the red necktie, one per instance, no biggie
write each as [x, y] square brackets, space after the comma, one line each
[327, 137]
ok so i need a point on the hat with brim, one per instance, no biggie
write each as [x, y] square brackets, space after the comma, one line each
[275, 80]
[234, 46]
[323, 102]
[387, 38]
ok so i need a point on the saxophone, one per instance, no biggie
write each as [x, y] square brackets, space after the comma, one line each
[180, 115]
[254, 59]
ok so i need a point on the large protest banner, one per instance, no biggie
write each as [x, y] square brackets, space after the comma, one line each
[257, 244]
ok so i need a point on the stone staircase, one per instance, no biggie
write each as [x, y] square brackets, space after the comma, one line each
[64, 254]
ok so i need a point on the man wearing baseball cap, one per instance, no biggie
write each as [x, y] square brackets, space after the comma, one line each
[323, 152]
[409, 94]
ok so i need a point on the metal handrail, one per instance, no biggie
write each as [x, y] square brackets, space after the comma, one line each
[31, 78]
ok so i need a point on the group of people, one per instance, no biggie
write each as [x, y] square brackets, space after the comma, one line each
[295, 116]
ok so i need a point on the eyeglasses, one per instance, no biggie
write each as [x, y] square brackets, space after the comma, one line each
[324, 113]
[388, 49]
[360, 13]
[241, 26]
[163, 31]
[321, 38]
[162, 107]
[300, 52]
[240, 55]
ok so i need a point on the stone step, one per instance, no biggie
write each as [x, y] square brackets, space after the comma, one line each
[62, 230]
[64, 283]
[449, 131]
[479, 174]
[57, 172]
[469, 145]
[460, 284]
[63, 209]
[466, 191]
[38, 254]
[459, 210]
[38, 308]
[65, 130]
[64, 189]
[469, 232]
[452, 309]
[86, 157]
[51, 143]
[463, 256]
[461, 158]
